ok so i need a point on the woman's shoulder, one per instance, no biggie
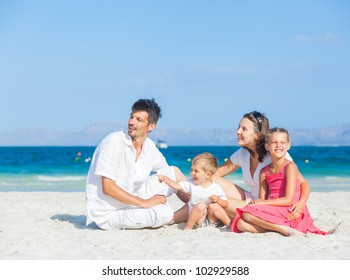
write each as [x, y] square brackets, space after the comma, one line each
[240, 156]
[241, 152]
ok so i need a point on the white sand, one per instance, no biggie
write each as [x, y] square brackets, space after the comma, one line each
[50, 225]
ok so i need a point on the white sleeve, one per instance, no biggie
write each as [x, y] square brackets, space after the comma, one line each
[108, 158]
[236, 157]
[159, 161]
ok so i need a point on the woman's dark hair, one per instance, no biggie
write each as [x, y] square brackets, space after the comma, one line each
[261, 125]
[150, 106]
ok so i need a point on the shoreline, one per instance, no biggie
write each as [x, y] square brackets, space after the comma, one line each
[51, 226]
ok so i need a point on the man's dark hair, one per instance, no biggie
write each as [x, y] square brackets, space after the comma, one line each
[151, 107]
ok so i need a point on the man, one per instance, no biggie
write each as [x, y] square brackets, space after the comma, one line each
[120, 193]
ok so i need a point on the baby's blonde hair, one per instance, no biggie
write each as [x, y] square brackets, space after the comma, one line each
[207, 161]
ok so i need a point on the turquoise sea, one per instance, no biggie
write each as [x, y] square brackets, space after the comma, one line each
[65, 168]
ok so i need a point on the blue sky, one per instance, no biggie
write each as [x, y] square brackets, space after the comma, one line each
[67, 64]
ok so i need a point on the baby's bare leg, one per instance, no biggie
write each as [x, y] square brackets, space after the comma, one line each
[196, 216]
[216, 212]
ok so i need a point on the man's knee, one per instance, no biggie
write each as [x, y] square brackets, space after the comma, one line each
[164, 214]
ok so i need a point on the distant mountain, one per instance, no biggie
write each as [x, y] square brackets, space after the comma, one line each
[36, 136]
[328, 136]
[195, 137]
[93, 134]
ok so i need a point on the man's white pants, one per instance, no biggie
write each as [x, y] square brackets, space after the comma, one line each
[136, 217]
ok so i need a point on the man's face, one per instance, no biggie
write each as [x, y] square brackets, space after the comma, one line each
[138, 125]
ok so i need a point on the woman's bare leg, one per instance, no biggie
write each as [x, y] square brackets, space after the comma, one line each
[232, 190]
[181, 215]
[235, 195]
[179, 175]
[233, 204]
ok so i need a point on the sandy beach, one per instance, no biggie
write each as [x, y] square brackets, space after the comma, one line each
[51, 226]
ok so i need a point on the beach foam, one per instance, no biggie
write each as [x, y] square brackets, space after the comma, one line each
[61, 178]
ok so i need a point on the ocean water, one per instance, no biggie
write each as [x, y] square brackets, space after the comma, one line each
[65, 168]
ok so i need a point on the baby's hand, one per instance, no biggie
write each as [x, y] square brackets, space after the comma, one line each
[254, 201]
[161, 178]
[214, 198]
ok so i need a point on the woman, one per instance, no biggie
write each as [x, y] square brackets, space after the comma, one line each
[279, 188]
[252, 157]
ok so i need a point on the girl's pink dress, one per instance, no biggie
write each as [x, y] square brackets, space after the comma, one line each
[279, 214]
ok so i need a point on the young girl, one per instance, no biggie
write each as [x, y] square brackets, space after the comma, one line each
[251, 157]
[208, 200]
[279, 189]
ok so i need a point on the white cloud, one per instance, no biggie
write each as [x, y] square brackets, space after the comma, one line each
[326, 38]
[240, 71]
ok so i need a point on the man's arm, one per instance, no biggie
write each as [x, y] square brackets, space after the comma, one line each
[109, 187]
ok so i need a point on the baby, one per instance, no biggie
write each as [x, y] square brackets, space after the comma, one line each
[207, 198]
